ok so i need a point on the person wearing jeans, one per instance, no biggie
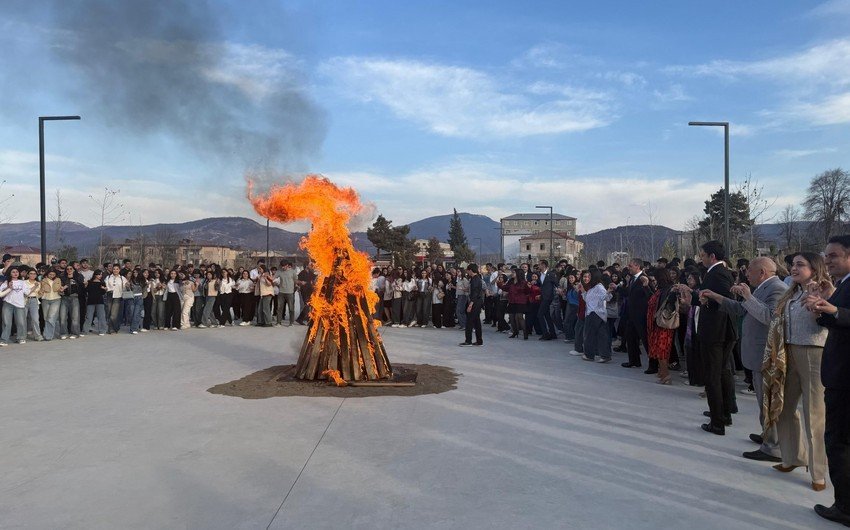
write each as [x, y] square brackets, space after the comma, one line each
[211, 285]
[136, 302]
[14, 292]
[473, 306]
[51, 292]
[33, 304]
[115, 285]
[95, 294]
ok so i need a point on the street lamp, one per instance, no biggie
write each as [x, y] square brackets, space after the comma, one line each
[551, 233]
[479, 247]
[41, 120]
[501, 242]
[725, 125]
[268, 263]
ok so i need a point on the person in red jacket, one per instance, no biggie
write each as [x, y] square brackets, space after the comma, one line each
[518, 292]
[533, 303]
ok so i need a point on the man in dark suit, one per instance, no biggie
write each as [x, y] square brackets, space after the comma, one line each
[548, 282]
[835, 376]
[636, 307]
[473, 306]
[717, 333]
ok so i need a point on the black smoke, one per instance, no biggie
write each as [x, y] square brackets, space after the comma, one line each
[165, 67]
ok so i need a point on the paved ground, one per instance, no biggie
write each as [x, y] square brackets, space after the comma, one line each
[119, 432]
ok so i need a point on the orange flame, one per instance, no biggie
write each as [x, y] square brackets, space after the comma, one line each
[337, 378]
[329, 208]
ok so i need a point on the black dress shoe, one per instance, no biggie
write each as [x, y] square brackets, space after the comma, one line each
[756, 438]
[650, 371]
[478, 344]
[726, 421]
[630, 365]
[761, 456]
[713, 429]
[832, 514]
[465, 344]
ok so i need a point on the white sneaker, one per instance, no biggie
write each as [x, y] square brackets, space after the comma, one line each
[201, 326]
[424, 326]
[402, 326]
[134, 332]
[174, 329]
[72, 337]
[63, 337]
[101, 334]
[143, 330]
[576, 353]
[22, 342]
[602, 360]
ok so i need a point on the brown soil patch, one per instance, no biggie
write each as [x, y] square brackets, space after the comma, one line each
[278, 381]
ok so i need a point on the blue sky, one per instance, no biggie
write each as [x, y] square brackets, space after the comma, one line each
[487, 107]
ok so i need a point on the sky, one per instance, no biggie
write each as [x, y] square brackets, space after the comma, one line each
[487, 107]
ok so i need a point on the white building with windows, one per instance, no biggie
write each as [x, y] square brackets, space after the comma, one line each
[522, 225]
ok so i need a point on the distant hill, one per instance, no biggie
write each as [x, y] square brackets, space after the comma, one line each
[645, 241]
[237, 232]
[473, 226]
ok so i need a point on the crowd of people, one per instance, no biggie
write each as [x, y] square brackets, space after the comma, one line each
[785, 326]
[68, 300]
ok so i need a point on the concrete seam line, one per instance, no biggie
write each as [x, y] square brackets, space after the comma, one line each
[292, 487]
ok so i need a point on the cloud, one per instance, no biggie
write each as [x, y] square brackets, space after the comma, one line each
[463, 102]
[832, 8]
[815, 80]
[497, 191]
[791, 154]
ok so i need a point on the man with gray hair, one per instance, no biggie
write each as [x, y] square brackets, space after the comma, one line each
[757, 309]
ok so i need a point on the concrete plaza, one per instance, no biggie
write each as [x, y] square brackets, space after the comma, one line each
[120, 432]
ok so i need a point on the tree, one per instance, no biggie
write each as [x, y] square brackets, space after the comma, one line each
[380, 234]
[457, 240]
[789, 218]
[109, 210]
[668, 250]
[827, 201]
[403, 247]
[434, 253]
[58, 225]
[740, 221]
[5, 213]
[165, 241]
[758, 204]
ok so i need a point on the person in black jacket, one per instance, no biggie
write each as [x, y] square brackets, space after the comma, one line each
[717, 334]
[637, 295]
[835, 376]
[548, 282]
[473, 307]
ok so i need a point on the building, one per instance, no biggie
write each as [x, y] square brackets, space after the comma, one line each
[516, 226]
[536, 247]
[29, 256]
[422, 251]
[182, 252]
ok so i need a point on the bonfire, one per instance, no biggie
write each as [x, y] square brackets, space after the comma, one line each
[342, 341]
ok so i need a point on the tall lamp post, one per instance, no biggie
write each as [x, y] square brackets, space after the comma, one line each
[479, 247]
[41, 120]
[725, 125]
[551, 234]
[268, 263]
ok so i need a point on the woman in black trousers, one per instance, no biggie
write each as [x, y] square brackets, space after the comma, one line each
[172, 302]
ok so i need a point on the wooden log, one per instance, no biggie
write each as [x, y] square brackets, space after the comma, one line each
[379, 384]
[311, 372]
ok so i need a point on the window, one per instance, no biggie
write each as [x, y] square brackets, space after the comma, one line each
[542, 246]
[528, 246]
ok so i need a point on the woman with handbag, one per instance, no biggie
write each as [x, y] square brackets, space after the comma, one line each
[803, 349]
[662, 320]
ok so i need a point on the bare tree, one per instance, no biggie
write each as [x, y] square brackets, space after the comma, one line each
[58, 223]
[827, 201]
[652, 214]
[789, 218]
[110, 210]
[6, 215]
[758, 205]
[165, 242]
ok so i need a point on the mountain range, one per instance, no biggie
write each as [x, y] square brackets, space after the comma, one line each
[244, 233]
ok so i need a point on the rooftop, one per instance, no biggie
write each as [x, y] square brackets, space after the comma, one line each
[536, 216]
